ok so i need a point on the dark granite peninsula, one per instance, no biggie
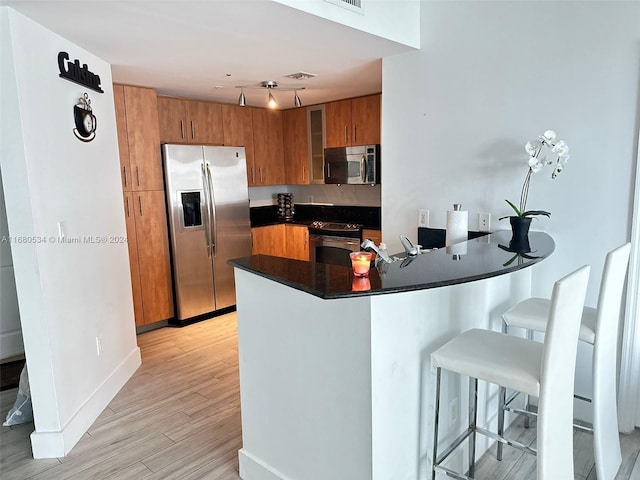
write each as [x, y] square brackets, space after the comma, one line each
[335, 374]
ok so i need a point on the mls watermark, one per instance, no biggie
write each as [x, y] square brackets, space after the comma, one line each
[83, 240]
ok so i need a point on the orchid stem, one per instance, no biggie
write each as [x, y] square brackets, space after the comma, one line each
[525, 191]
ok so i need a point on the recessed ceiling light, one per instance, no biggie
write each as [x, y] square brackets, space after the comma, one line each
[218, 86]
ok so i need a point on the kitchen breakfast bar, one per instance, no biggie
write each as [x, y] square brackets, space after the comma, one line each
[335, 372]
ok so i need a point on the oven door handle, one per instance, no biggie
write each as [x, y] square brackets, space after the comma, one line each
[331, 241]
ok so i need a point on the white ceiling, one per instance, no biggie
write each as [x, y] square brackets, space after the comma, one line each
[190, 48]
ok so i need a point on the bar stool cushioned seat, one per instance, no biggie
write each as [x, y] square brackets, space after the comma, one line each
[599, 327]
[545, 370]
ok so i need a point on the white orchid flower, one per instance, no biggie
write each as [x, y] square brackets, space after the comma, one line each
[531, 149]
[548, 136]
[561, 148]
[535, 165]
[563, 159]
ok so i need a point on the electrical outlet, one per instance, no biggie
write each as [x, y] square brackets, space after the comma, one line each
[99, 345]
[423, 218]
[310, 198]
[453, 410]
[484, 222]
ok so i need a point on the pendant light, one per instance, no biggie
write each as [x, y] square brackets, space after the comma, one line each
[242, 101]
[296, 99]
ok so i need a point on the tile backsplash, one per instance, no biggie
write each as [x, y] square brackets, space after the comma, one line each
[356, 195]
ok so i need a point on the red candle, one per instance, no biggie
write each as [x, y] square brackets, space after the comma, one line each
[360, 262]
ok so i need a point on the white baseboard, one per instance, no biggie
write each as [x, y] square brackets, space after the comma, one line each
[252, 468]
[59, 444]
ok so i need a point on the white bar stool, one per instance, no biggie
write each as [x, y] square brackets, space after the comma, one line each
[543, 370]
[599, 327]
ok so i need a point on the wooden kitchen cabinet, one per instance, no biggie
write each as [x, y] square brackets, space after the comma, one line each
[237, 130]
[268, 147]
[375, 235]
[190, 121]
[354, 121]
[296, 146]
[123, 141]
[138, 138]
[281, 240]
[144, 203]
[149, 212]
[132, 245]
[297, 242]
[269, 240]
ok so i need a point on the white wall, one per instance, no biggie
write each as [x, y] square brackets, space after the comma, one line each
[489, 77]
[68, 294]
[395, 20]
[10, 332]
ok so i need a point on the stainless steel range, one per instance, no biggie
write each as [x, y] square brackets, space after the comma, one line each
[332, 242]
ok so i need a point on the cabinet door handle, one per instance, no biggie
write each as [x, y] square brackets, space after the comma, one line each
[140, 203]
[127, 204]
[138, 175]
[193, 130]
[253, 176]
[261, 181]
[355, 134]
[303, 174]
[126, 177]
[346, 135]
[181, 129]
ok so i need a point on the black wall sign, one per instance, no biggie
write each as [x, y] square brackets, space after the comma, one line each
[78, 74]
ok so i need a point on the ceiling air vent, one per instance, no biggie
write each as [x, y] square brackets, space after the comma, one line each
[353, 5]
[301, 75]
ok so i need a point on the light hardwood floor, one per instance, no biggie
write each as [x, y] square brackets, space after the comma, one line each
[178, 417]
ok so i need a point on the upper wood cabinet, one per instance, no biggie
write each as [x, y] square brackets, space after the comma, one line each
[190, 121]
[296, 146]
[138, 138]
[267, 147]
[354, 121]
[238, 132]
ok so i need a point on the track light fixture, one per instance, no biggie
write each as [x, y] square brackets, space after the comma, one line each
[270, 86]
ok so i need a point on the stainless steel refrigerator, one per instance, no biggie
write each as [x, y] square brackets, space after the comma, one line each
[208, 203]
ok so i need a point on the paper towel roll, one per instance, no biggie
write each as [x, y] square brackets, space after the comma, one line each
[457, 226]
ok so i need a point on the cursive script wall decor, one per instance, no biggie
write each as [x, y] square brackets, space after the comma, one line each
[73, 72]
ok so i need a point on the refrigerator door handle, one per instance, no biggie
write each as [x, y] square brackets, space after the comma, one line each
[207, 220]
[212, 217]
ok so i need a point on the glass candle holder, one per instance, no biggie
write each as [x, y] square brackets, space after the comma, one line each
[361, 262]
[360, 284]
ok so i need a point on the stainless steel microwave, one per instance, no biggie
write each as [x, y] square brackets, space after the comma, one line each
[352, 165]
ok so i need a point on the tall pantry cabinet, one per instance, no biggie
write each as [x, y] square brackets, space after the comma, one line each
[144, 202]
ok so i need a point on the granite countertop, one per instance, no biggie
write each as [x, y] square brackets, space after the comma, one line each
[484, 257]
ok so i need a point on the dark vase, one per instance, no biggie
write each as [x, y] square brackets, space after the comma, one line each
[520, 226]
